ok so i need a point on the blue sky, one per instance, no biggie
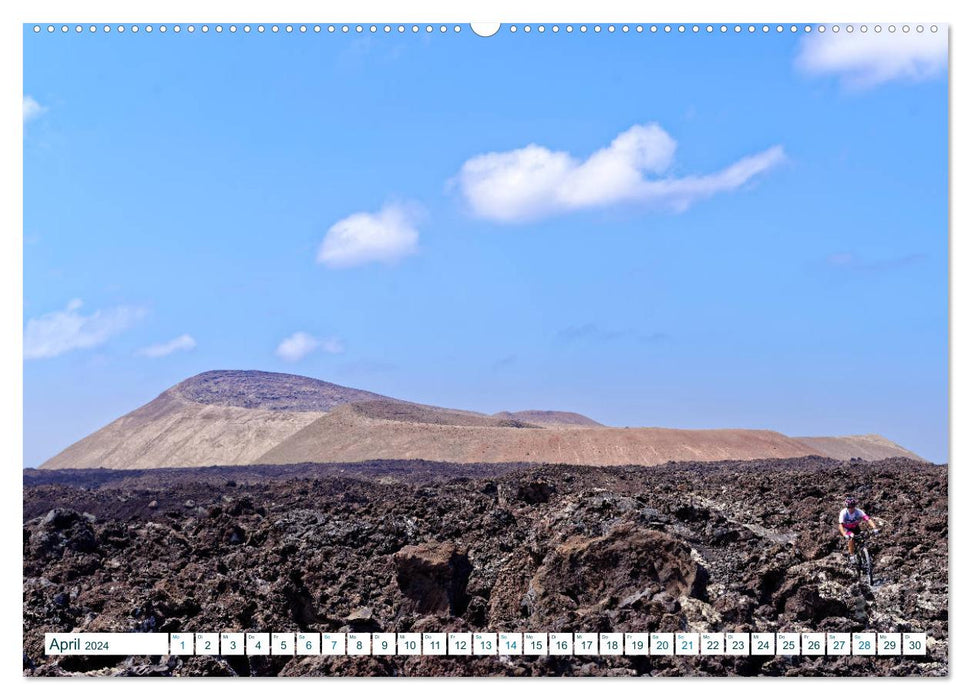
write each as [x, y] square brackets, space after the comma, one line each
[689, 231]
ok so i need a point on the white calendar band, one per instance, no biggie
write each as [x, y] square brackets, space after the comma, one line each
[487, 644]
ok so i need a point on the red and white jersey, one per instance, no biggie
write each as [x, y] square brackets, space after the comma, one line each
[851, 520]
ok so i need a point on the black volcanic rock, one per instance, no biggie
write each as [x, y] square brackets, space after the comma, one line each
[434, 575]
[272, 391]
[413, 546]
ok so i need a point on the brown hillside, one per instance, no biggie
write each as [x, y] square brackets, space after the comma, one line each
[562, 419]
[346, 435]
[173, 432]
[866, 447]
[405, 412]
[243, 417]
[218, 417]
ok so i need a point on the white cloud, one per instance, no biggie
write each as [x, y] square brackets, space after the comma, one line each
[535, 182]
[384, 236]
[866, 60]
[183, 342]
[332, 346]
[854, 263]
[32, 108]
[300, 344]
[58, 332]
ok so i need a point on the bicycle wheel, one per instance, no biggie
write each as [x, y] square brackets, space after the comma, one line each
[866, 565]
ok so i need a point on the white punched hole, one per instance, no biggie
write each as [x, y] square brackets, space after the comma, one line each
[488, 29]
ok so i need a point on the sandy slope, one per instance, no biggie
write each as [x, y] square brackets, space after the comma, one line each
[867, 447]
[346, 435]
[246, 417]
[171, 431]
[562, 419]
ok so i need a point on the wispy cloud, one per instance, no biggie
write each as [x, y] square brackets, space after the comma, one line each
[853, 262]
[595, 333]
[300, 344]
[32, 108]
[384, 236]
[504, 362]
[866, 60]
[59, 332]
[535, 182]
[183, 342]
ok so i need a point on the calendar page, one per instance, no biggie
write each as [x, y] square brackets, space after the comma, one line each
[423, 348]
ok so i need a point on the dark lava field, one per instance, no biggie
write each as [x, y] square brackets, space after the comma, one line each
[420, 546]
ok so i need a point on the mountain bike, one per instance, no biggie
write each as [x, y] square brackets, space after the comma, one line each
[864, 559]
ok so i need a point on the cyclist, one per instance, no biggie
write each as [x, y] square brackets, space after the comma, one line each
[850, 519]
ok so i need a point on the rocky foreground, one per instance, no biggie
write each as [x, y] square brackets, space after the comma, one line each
[420, 546]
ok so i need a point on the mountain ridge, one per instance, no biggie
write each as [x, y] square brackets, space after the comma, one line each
[240, 417]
